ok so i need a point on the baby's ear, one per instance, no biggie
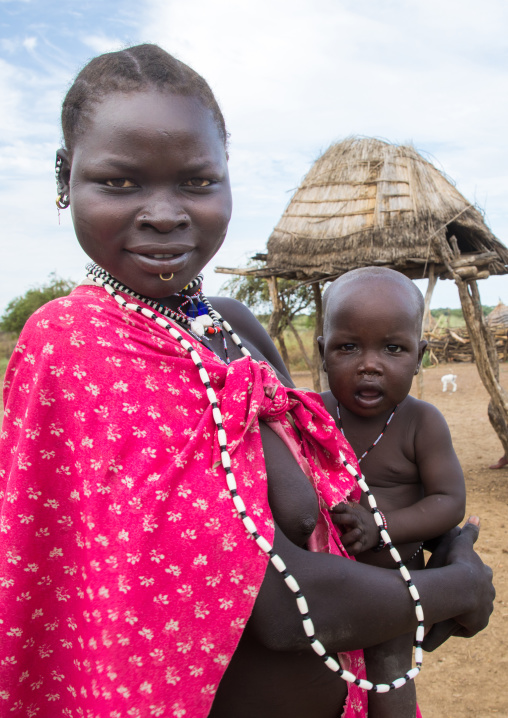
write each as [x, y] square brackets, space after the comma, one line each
[421, 348]
[321, 345]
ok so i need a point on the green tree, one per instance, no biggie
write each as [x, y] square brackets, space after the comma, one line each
[251, 291]
[20, 308]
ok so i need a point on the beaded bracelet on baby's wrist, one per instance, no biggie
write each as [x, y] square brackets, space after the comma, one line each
[381, 543]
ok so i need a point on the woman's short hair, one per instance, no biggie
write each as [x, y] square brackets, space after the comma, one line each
[135, 68]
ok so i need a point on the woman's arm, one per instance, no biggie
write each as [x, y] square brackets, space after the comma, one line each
[384, 663]
[354, 605]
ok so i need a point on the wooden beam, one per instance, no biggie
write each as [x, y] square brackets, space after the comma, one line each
[464, 260]
[277, 308]
[319, 377]
[238, 271]
[426, 317]
[482, 343]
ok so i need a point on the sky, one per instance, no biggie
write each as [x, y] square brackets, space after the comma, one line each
[291, 76]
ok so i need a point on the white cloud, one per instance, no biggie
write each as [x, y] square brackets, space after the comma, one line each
[30, 43]
[100, 43]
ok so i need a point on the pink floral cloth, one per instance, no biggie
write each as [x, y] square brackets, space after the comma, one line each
[126, 577]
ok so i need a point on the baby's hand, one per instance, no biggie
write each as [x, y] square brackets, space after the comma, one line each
[359, 530]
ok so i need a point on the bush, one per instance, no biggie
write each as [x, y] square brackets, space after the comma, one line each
[3, 366]
[19, 309]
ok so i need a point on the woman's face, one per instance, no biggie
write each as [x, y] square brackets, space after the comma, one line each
[149, 189]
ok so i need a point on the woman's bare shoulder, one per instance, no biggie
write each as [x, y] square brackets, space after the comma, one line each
[251, 331]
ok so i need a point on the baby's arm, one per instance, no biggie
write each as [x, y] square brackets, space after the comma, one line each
[444, 502]
[385, 662]
[442, 506]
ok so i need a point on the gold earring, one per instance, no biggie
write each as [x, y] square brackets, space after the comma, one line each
[167, 279]
[62, 201]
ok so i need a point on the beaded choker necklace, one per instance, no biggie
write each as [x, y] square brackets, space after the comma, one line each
[378, 438]
[199, 318]
[105, 280]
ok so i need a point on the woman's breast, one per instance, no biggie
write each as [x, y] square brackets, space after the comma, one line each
[292, 499]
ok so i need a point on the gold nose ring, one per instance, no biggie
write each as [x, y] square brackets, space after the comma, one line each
[167, 279]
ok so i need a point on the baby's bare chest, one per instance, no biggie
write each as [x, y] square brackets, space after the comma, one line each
[391, 471]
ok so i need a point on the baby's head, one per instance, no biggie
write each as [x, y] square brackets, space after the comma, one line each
[371, 346]
[144, 169]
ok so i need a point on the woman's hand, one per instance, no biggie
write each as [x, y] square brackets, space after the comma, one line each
[461, 551]
[456, 547]
[357, 526]
[354, 605]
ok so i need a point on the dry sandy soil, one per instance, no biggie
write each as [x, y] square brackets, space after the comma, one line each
[470, 677]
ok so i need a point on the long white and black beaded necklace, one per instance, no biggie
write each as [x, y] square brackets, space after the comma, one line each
[111, 285]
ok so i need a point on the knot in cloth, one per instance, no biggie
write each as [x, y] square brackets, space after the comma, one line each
[276, 402]
[251, 392]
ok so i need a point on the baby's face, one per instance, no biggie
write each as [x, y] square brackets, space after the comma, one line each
[371, 349]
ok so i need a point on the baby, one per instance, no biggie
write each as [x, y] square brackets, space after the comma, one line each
[371, 349]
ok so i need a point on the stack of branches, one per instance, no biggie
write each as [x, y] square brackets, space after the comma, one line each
[454, 345]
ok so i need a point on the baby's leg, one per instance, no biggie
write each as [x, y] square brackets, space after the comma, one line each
[386, 662]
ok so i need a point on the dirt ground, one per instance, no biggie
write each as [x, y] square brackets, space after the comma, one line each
[470, 677]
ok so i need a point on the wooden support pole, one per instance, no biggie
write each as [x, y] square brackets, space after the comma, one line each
[426, 318]
[277, 309]
[483, 346]
[486, 360]
[274, 323]
[319, 377]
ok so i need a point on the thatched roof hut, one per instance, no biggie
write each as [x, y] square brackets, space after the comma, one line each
[367, 202]
[498, 318]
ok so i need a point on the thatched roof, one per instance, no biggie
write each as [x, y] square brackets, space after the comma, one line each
[498, 318]
[367, 202]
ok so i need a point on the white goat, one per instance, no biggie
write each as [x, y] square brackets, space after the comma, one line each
[449, 379]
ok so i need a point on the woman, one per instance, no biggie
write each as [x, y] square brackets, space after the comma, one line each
[138, 518]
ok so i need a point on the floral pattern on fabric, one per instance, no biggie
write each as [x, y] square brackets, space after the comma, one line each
[126, 577]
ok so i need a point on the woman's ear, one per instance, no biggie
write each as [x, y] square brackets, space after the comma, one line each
[321, 345]
[421, 349]
[62, 176]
